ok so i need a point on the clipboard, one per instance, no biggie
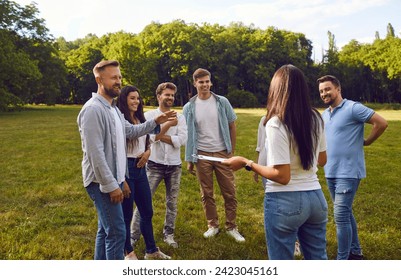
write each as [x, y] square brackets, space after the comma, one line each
[209, 158]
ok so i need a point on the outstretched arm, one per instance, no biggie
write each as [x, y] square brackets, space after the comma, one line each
[277, 173]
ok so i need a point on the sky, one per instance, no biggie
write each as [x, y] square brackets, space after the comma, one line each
[346, 19]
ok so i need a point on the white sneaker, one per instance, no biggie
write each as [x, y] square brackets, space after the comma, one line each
[131, 256]
[212, 231]
[236, 235]
[169, 239]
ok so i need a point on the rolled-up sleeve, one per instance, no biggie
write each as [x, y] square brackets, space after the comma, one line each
[181, 137]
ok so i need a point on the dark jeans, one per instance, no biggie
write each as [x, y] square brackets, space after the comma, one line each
[171, 175]
[140, 193]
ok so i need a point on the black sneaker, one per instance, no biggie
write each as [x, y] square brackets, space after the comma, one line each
[355, 257]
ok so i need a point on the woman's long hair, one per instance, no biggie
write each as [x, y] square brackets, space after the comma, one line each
[123, 105]
[289, 100]
[139, 114]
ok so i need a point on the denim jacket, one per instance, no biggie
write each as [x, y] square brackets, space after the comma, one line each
[98, 135]
[226, 116]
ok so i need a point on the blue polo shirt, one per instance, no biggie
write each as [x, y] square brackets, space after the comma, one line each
[344, 128]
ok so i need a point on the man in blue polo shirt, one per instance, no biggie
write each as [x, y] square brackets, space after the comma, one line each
[344, 126]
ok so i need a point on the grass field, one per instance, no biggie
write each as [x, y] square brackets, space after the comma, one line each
[45, 213]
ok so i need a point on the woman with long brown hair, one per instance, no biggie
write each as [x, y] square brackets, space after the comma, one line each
[136, 186]
[294, 204]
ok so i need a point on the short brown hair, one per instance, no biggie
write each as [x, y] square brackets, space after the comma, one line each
[329, 78]
[200, 72]
[163, 86]
[99, 67]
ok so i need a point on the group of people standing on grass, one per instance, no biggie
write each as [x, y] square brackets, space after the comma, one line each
[127, 153]
[297, 139]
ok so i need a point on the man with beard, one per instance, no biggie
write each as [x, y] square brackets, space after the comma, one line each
[165, 161]
[344, 127]
[103, 131]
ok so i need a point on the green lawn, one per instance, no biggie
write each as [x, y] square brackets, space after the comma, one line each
[45, 212]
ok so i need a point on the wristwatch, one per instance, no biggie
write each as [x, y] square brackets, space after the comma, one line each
[248, 166]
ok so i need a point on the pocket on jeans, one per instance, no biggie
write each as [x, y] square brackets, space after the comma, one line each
[90, 189]
[323, 201]
[288, 203]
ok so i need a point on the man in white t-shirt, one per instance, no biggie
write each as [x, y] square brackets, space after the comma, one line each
[211, 132]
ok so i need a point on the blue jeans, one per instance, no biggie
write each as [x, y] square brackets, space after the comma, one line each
[140, 193]
[289, 215]
[171, 174]
[110, 235]
[342, 192]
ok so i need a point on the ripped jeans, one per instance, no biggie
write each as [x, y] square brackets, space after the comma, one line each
[342, 192]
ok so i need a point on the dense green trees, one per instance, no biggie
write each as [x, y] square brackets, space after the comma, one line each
[31, 70]
[239, 57]
[36, 68]
[369, 72]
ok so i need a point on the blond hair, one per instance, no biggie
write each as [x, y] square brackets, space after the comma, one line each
[99, 67]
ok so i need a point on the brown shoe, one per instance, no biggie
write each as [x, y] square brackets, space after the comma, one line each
[158, 255]
[131, 257]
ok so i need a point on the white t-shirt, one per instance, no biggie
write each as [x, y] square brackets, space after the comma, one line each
[136, 147]
[261, 143]
[280, 152]
[207, 123]
[120, 149]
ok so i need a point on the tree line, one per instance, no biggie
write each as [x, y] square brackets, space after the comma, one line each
[38, 68]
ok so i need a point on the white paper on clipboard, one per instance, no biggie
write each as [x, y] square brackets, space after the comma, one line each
[208, 158]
